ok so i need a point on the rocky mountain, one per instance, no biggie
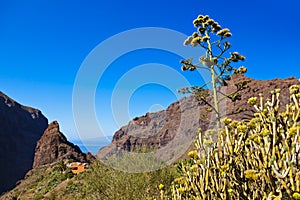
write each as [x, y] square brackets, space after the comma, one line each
[172, 131]
[46, 178]
[54, 146]
[20, 128]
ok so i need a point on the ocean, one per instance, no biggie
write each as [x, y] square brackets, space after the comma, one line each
[92, 145]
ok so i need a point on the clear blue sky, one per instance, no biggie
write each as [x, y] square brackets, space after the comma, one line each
[43, 44]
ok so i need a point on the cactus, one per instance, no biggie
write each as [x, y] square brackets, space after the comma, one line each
[259, 159]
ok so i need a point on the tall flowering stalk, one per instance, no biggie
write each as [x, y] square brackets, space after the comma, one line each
[211, 37]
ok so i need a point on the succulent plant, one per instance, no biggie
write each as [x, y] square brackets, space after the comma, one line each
[257, 159]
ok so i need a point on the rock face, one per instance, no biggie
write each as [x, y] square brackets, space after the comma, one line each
[176, 127]
[166, 130]
[20, 128]
[54, 146]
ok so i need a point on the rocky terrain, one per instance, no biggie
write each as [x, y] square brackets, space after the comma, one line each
[172, 131]
[20, 128]
[54, 146]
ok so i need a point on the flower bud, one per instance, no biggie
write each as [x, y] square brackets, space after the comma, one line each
[223, 32]
[188, 41]
[252, 100]
[228, 34]
[202, 30]
[197, 22]
[184, 67]
[196, 41]
[294, 89]
[192, 68]
[205, 38]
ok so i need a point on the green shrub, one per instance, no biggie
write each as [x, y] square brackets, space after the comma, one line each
[60, 166]
[258, 159]
[102, 182]
[68, 174]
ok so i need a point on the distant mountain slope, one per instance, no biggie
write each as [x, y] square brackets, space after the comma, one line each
[20, 128]
[178, 124]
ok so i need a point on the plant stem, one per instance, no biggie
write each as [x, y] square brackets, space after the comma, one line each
[214, 85]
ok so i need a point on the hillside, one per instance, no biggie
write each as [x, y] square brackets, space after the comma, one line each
[20, 128]
[49, 174]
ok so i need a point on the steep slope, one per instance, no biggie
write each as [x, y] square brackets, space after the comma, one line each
[54, 146]
[176, 127]
[20, 129]
[47, 178]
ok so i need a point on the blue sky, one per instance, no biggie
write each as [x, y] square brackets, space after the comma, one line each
[44, 43]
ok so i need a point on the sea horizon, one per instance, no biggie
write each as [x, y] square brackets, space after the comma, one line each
[92, 145]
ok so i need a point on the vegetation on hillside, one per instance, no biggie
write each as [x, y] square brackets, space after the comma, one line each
[57, 182]
[106, 183]
[258, 159]
[41, 183]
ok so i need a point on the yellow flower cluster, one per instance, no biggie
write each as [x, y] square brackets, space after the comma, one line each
[235, 57]
[243, 128]
[224, 32]
[193, 154]
[161, 186]
[179, 181]
[296, 195]
[251, 174]
[294, 89]
[226, 121]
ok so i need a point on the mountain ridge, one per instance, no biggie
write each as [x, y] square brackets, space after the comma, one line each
[183, 118]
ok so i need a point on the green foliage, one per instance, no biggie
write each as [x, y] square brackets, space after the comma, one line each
[102, 182]
[142, 159]
[214, 40]
[42, 182]
[50, 182]
[72, 187]
[67, 174]
[258, 159]
[61, 166]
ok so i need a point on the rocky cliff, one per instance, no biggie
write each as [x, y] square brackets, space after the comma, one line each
[54, 146]
[20, 128]
[174, 129]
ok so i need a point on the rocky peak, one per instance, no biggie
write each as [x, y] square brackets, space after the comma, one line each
[56, 146]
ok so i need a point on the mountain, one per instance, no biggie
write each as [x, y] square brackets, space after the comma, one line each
[47, 175]
[20, 129]
[172, 131]
[54, 146]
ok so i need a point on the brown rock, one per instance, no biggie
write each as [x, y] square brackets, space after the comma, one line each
[54, 146]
